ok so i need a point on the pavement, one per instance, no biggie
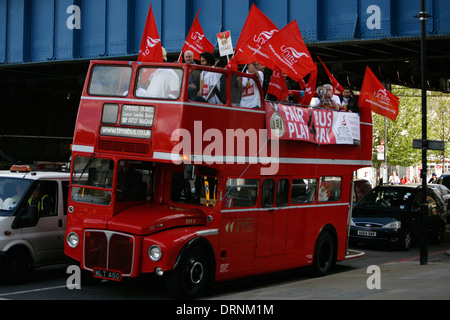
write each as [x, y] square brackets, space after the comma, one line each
[406, 280]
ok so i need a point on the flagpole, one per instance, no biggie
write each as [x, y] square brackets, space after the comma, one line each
[423, 16]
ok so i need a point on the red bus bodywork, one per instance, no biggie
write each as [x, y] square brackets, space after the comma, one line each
[242, 223]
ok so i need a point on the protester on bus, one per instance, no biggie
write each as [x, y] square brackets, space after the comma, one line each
[163, 83]
[348, 101]
[189, 57]
[328, 100]
[209, 81]
[194, 77]
[251, 97]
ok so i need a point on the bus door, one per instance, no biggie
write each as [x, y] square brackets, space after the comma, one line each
[272, 219]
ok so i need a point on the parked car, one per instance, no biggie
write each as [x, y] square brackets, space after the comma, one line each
[444, 179]
[32, 221]
[445, 193]
[391, 214]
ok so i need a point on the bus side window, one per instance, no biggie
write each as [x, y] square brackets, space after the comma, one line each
[303, 190]
[330, 189]
[241, 192]
[282, 192]
[110, 80]
[267, 194]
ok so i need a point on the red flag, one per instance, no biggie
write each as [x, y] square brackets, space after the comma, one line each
[310, 88]
[377, 97]
[287, 51]
[151, 48]
[196, 40]
[256, 31]
[334, 83]
[232, 65]
[277, 85]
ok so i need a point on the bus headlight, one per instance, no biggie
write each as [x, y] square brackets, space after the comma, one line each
[72, 239]
[154, 253]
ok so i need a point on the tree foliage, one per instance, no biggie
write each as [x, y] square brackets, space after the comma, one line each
[408, 126]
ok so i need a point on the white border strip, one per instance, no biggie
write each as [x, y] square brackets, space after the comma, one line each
[81, 148]
[264, 160]
[303, 206]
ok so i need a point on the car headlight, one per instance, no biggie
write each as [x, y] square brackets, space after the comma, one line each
[393, 225]
[154, 253]
[72, 239]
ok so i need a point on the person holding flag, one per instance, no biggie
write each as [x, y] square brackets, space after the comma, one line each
[251, 97]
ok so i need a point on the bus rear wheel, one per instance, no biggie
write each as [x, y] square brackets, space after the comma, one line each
[191, 277]
[324, 254]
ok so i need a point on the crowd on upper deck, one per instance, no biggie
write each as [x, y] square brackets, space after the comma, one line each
[201, 83]
[207, 86]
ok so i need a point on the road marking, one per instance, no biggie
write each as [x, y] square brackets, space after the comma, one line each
[416, 257]
[29, 291]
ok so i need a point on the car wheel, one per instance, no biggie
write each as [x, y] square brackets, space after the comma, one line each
[17, 267]
[324, 254]
[191, 277]
[405, 241]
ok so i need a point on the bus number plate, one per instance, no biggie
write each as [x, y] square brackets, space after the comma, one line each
[107, 274]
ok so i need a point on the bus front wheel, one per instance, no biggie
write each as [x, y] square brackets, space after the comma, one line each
[324, 254]
[191, 277]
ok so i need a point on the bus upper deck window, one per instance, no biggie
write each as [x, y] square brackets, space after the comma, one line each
[110, 80]
[160, 83]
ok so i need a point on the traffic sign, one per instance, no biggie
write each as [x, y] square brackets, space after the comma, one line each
[430, 144]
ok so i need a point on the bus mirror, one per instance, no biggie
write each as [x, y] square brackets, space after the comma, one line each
[189, 172]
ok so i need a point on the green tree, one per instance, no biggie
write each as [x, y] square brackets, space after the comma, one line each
[400, 134]
[408, 126]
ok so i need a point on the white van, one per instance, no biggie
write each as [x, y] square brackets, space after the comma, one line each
[32, 221]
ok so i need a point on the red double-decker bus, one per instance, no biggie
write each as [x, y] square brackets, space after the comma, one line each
[175, 171]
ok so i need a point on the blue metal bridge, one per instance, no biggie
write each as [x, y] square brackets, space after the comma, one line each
[45, 45]
[339, 31]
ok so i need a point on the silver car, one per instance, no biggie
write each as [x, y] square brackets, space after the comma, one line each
[32, 221]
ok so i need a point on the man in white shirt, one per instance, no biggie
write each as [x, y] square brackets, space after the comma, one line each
[251, 97]
[328, 100]
[164, 83]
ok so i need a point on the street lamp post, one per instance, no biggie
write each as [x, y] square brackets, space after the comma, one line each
[423, 16]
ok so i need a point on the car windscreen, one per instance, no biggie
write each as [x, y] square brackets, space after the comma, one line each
[12, 191]
[387, 199]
